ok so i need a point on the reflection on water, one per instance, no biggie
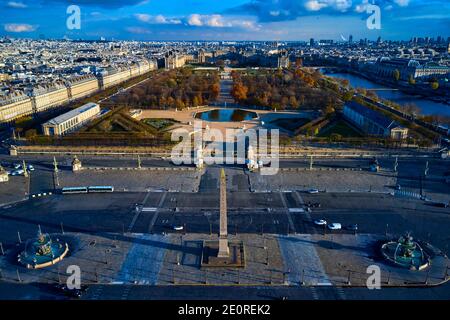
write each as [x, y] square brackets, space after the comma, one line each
[427, 107]
[226, 115]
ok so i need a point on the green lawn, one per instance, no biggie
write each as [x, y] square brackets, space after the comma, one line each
[340, 127]
[290, 124]
[159, 124]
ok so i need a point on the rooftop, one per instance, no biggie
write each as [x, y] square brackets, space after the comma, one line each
[374, 116]
[71, 114]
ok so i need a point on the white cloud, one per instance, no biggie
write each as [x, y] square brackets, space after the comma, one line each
[159, 19]
[138, 30]
[143, 17]
[195, 20]
[219, 21]
[340, 5]
[314, 5]
[216, 20]
[19, 27]
[362, 7]
[16, 5]
[402, 3]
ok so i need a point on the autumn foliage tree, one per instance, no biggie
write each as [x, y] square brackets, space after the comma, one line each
[296, 88]
[179, 88]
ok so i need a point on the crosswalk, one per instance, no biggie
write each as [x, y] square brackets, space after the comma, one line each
[408, 194]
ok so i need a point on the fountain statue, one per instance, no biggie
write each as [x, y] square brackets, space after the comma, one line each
[42, 251]
[405, 252]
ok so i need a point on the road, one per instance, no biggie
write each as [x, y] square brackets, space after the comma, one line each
[11, 291]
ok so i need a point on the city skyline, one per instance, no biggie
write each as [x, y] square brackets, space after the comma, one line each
[239, 20]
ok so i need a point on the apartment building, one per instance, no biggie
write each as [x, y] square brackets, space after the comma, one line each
[48, 96]
[112, 76]
[82, 86]
[15, 105]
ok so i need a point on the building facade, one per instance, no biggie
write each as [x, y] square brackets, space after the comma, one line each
[45, 97]
[386, 67]
[82, 86]
[173, 60]
[112, 76]
[283, 60]
[14, 106]
[72, 120]
[373, 123]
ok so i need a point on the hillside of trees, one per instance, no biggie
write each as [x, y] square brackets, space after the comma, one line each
[285, 89]
[179, 88]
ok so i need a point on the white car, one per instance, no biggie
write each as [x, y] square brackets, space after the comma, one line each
[30, 167]
[320, 222]
[311, 191]
[17, 172]
[17, 166]
[178, 228]
[335, 226]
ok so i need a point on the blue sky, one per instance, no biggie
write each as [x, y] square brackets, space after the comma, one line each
[225, 19]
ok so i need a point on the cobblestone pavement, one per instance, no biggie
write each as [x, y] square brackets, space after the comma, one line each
[302, 261]
[258, 249]
[144, 259]
[16, 189]
[345, 255]
[329, 180]
[134, 180]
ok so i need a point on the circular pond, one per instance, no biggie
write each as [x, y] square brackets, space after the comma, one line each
[226, 115]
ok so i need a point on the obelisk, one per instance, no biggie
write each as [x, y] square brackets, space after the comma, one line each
[224, 251]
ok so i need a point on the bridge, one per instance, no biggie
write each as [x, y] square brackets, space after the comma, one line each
[381, 89]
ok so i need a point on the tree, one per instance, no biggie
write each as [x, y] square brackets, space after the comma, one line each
[215, 90]
[347, 96]
[293, 102]
[396, 75]
[195, 102]
[434, 85]
[411, 80]
[30, 133]
[239, 91]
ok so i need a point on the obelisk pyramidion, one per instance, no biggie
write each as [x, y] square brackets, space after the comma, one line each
[224, 251]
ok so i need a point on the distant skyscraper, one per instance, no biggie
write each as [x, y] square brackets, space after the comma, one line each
[311, 42]
[379, 41]
[350, 39]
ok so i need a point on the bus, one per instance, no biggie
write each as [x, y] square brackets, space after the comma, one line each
[92, 189]
[73, 190]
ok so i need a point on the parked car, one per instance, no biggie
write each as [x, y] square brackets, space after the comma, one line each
[312, 191]
[320, 222]
[178, 227]
[313, 205]
[30, 167]
[398, 187]
[17, 166]
[352, 227]
[17, 172]
[335, 226]
[441, 204]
